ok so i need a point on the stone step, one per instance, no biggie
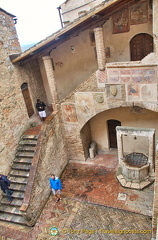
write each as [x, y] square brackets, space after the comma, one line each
[19, 195]
[20, 180]
[30, 137]
[28, 142]
[10, 209]
[15, 202]
[25, 154]
[19, 173]
[12, 218]
[17, 187]
[26, 149]
[23, 160]
[21, 166]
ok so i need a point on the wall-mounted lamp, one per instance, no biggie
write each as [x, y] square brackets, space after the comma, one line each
[15, 20]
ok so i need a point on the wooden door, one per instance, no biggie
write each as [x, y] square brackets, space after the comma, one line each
[27, 99]
[140, 46]
[112, 124]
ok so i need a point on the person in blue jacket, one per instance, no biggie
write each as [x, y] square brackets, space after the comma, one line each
[56, 186]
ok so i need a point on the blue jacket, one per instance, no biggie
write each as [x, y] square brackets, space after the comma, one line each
[55, 183]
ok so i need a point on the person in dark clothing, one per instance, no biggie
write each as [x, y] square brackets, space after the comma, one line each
[40, 106]
[5, 184]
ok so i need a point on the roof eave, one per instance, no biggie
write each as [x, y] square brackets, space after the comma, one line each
[55, 36]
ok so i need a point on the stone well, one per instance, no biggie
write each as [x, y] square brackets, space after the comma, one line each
[135, 170]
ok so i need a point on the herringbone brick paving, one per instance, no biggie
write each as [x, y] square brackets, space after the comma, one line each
[89, 208]
[82, 220]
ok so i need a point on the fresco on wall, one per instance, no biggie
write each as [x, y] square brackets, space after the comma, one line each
[133, 90]
[150, 75]
[113, 75]
[135, 75]
[84, 105]
[114, 91]
[99, 101]
[149, 92]
[125, 76]
[139, 13]
[69, 113]
[101, 76]
[121, 21]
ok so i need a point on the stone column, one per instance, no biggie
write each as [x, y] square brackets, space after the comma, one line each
[120, 147]
[100, 48]
[155, 26]
[49, 80]
[155, 200]
[151, 154]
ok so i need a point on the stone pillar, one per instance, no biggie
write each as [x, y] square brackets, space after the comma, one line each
[120, 147]
[49, 80]
[151, 155]
[155, 201]
[100, 48]
[155, 26]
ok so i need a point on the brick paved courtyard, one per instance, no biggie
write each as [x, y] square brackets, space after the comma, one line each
[93, 204]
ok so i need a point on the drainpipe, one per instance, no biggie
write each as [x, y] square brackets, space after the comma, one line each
[60, 16]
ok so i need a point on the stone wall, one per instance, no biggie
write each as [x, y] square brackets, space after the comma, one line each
[13, 116]
[53, 159]
[30, 74]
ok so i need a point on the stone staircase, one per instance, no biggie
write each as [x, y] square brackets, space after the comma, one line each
[18, 177]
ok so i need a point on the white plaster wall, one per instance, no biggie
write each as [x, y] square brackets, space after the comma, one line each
[73, 67]
[99, 131]
[70, 9]
[120, 43]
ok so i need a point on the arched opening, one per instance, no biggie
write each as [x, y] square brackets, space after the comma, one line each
[27, 99]
[112, 124]
[140, 46]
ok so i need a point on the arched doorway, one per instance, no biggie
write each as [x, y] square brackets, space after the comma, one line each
[27, 99]
[140, 46]
[112, 124]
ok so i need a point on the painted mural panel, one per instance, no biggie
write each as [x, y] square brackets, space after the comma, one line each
[134, 75]
[99, 101]
[121, 21]
[101, 76]
[149, 92]
[139, 13]
[84, 105]
[69, 113]
[133, 92]
[114, 76]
